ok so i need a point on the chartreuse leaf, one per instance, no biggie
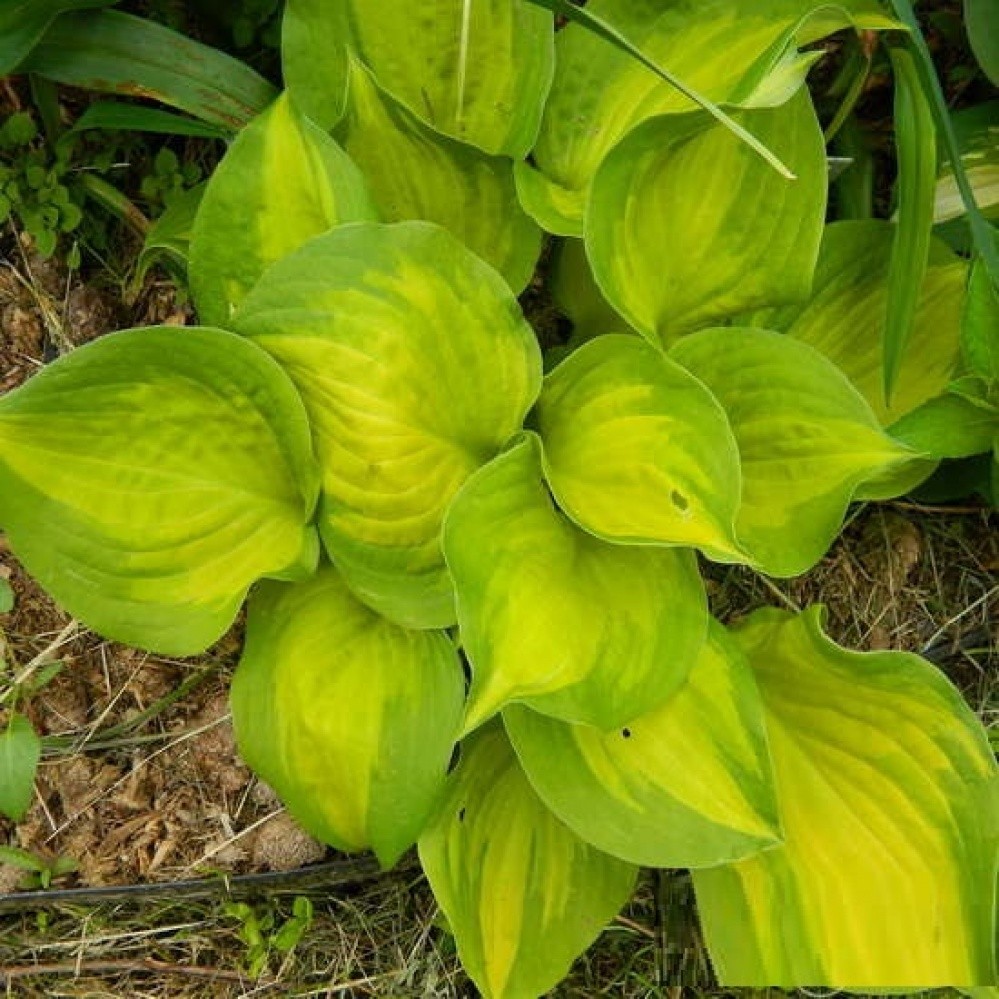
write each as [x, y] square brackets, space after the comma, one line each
[20, 751]
[118, 53]
[637, 450]
[551, 616]
[807, 439]
[686, 226]
[148, 478]
[350, 718]
[475, 70]
[416, 366]
[283, 181]
[415, 173]
[686, 785]
[916, 144]
[845, 316]
[576, 294]
[523, 895]
[955, 424]
[23, 23]
[728, 52]
[887, 791]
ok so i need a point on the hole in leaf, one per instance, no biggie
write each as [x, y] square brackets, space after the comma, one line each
[626, 733]
[679, 501]
[461, 815]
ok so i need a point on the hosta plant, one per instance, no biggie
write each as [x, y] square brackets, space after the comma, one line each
[475, 618]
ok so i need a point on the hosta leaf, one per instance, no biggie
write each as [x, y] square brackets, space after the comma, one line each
[845, 316]
[686, 785]
[724, 50]
[416, 367]
[950, 426]
[637, 450]
[686, 225]
[550, 615]
[475, 70]
[980, 17]
[414, 173]
[148, 478]
[23, 23]
[350, 718]
[117, 53]
[807, 439]
[20, 751]
[887, 791]
[575, 292]
[523, 895]
[283, 181]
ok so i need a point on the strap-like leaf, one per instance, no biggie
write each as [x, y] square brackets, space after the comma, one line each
[350, 718]
[916, 146]
[23, 23]
[117, 53]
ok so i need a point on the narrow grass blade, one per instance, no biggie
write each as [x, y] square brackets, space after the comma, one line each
[916, 144]
[608, 32]
[119, 116]
[981, 231]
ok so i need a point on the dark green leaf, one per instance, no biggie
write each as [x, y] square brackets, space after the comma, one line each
[121, 54]
[20, 751]
[23, 23]
[118, 116]
[981, 18]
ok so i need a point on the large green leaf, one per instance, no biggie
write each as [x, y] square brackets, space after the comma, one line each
[550, 615]
[475, 70]
[416, 367]
[523, 895]
[725, 50]
[916, 145]
[350, 718]
[807, 439]
[23, 23]
[636, 449]
[148, 478]
[845, 316]
[887, 791]
[686, 785]
[957, 424]
[120, 54]
[283, 181]
[686, 225]
[414, 173]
